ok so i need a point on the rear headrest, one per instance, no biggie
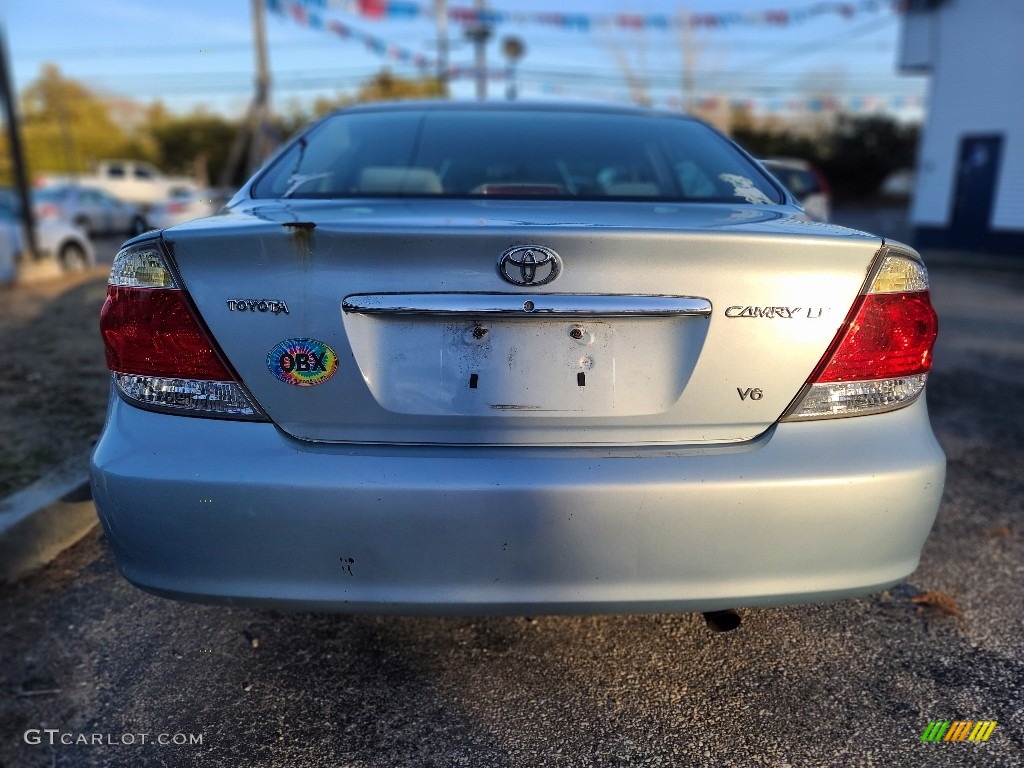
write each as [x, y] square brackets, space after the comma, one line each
[398, 179]
[632, 189]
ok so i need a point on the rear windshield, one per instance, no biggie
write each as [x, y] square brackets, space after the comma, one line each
[585, 155]
[798, 181]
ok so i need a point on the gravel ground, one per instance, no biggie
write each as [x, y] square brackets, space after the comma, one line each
[847, 684]
[53, 392]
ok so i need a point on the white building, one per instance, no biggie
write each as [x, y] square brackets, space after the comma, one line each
[970, 174]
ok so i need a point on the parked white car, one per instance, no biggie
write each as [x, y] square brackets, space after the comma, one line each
[68, 243]
[131, 180]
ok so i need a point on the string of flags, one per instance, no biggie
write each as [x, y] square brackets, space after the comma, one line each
[405, 10]
[301, 12]
[303, 16]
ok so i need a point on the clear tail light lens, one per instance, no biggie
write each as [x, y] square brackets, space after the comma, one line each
[158, 351]
[879, 360]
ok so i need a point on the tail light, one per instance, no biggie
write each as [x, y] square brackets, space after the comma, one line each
[823, 186]
[176, 207]
[879, 360]
[158, 351]
[47, 211]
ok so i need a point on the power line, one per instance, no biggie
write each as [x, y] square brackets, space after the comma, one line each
[735, 78]
[748, 79]
[176, 51]
[828, 43]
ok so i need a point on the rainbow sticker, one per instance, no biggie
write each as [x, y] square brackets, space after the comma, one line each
[302, 362]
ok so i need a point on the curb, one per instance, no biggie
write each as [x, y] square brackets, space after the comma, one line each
[39, 522]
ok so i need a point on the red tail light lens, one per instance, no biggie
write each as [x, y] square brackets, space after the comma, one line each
[160, 355]
[891, 334]
[879, 360]
[152, 332]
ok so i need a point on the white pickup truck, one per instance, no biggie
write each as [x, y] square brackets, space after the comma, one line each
[133, 181]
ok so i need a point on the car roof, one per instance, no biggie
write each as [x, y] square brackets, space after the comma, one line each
[793, 163]
[571, 107]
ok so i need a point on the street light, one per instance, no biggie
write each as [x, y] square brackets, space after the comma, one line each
[514, 49]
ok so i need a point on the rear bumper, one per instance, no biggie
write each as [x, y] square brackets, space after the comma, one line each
[221, 511]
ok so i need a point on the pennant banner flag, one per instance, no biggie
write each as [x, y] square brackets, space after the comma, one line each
[380, 10]
[302, 12]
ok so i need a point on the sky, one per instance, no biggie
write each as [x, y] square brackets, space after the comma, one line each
[198, 53]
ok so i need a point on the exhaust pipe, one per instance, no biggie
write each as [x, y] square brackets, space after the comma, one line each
[722, 621]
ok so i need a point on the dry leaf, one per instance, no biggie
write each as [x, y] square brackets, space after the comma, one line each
[938, 602]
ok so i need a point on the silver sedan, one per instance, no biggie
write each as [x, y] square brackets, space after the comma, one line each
[490, 358]
[90, 208]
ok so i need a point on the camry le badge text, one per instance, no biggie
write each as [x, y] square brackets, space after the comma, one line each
[771, 312]
[257, 305]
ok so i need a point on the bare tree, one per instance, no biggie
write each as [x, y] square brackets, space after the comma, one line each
[639, 89]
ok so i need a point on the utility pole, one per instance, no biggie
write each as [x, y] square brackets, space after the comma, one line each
[479, 33]
[17, 156]
[258, 146]
[690, 52]
[441, 20]
[255, 125]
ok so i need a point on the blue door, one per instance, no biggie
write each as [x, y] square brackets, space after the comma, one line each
[976, 176]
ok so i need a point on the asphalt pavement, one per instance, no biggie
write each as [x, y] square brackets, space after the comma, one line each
[130, 679]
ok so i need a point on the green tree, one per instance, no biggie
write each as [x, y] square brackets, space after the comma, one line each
[863, 150]
[197, 144]
[856, 156]
[66, 127]
[386, 86]
[763, 143]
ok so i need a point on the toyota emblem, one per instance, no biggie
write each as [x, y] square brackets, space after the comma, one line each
[529, 265]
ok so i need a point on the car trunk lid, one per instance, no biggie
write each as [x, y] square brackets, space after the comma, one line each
[390, 321]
